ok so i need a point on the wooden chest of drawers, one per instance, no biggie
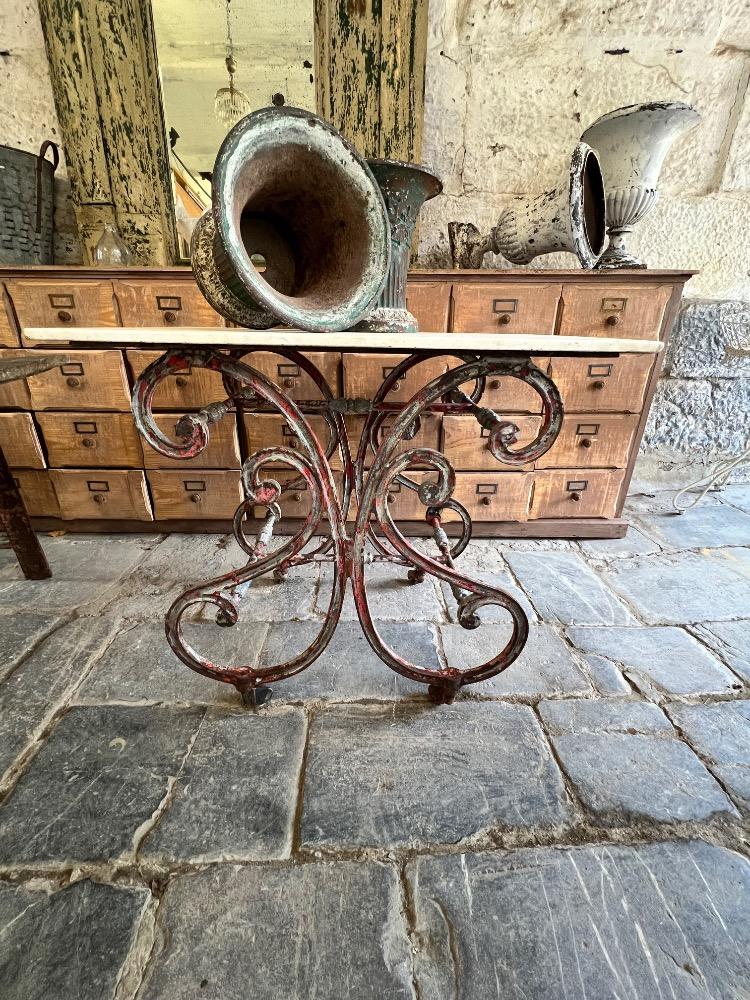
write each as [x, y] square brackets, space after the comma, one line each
[71, 440]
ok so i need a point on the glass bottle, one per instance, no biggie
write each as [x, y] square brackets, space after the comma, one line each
[111, 248]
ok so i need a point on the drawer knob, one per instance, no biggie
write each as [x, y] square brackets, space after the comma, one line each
[494, 384]
[599, 384]
[99, 498]
[485, 501]
[64, 316]
[170, 317]
[289, 383]
[504, 319]
[72, 382]
[575, 496]
[395, 387]
[180, 382]
[196, 497]
[297, 497]
[613, 320]
[585, 442]
[391, 498]
[87, 443]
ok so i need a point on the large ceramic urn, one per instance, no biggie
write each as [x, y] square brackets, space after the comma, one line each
[632, 144]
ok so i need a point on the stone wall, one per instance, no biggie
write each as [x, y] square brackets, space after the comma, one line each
[511, 85]
[27, 109]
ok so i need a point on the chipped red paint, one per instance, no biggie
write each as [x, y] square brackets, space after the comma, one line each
[374, 528]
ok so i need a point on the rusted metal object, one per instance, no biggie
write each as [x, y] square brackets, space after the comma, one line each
[468, 245]
[298, 232]
[375, 536]
[405, 188]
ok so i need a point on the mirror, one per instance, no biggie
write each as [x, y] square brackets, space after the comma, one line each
[218, 61]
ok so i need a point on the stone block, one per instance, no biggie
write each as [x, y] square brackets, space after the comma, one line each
[499, 579]
[700, 527]
[98, 779]
[19, 633]
[606, 678]
[679, 418]
[635, 543]
[658, 661]
[54, 596]
[313, 930]
[236, 796]
[405, 776]
[685, 587]
[700, 339]
[87, 557]
[737, 496]
[564, 589]
[721, 735]
[730, 641]
[655, 920]
[69, 943]
[390, 594]
[625, 764]
[545, 667]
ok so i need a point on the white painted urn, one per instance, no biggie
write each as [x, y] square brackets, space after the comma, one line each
[569, 217]
[632, 144]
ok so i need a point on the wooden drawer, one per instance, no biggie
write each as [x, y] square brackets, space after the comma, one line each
[576, 493]
[164, 303]
[62, 303]
[291, 379]
[221, 452]
[428, 435]
[91, 380]
[100, 440]
[592, 440]
[107, 494]
[364, 373]
[270, 430]
[606, 309]
[8, 335]
[294, 503]
[20, 442]
[466, 444]
[506, 394]
[14, 395]
[596, 384]
[186, 390]
[38, 493]
[502, 307]
[494, 496]
[199, 494]
[429, 303]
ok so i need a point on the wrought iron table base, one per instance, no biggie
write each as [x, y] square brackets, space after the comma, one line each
[375, 535]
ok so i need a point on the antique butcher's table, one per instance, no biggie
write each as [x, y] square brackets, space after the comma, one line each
[374, 537]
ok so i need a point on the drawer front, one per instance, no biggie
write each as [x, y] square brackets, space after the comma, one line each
[429, 303]
[99, 440]
[596, 384]
[221, 452]
[14, 395]
[466, 444]
[503, 307]
[599, 309]
[495, 496]
[291, 379]
[270, 430]
[199, 494]
[8, 335]
[164, 303]
[37, 492]
[364, 373]
[592, 440]
[510, 395]
[576, 493]
[91, 380]
[189, 389]
[428, 435]
[20, 442]
[294, 503]
[63, 303]
[107, 494]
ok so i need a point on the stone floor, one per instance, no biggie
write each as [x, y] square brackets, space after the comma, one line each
[576, 827]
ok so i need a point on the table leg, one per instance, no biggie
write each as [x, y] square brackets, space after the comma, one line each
[16, 524]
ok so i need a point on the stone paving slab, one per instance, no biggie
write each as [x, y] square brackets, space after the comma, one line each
[268, 600]
[349, 669]
[685, 587]
[545, 667]
[709, 526]
[625, 762]
[20, 632]
[634, 543]
[101, 774]
[139, 667]
[29, 697]
[55, 596]
[391, 596]
[721, 735]
[66, 945]
[730, 641]
[606, 678]
[87, 557]
[316, 930]
[407, 775]
[236, 796]
[502, 580]
[658, 660]
[189, 558]
[652, 921]
[737, 496]
[564, 589]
